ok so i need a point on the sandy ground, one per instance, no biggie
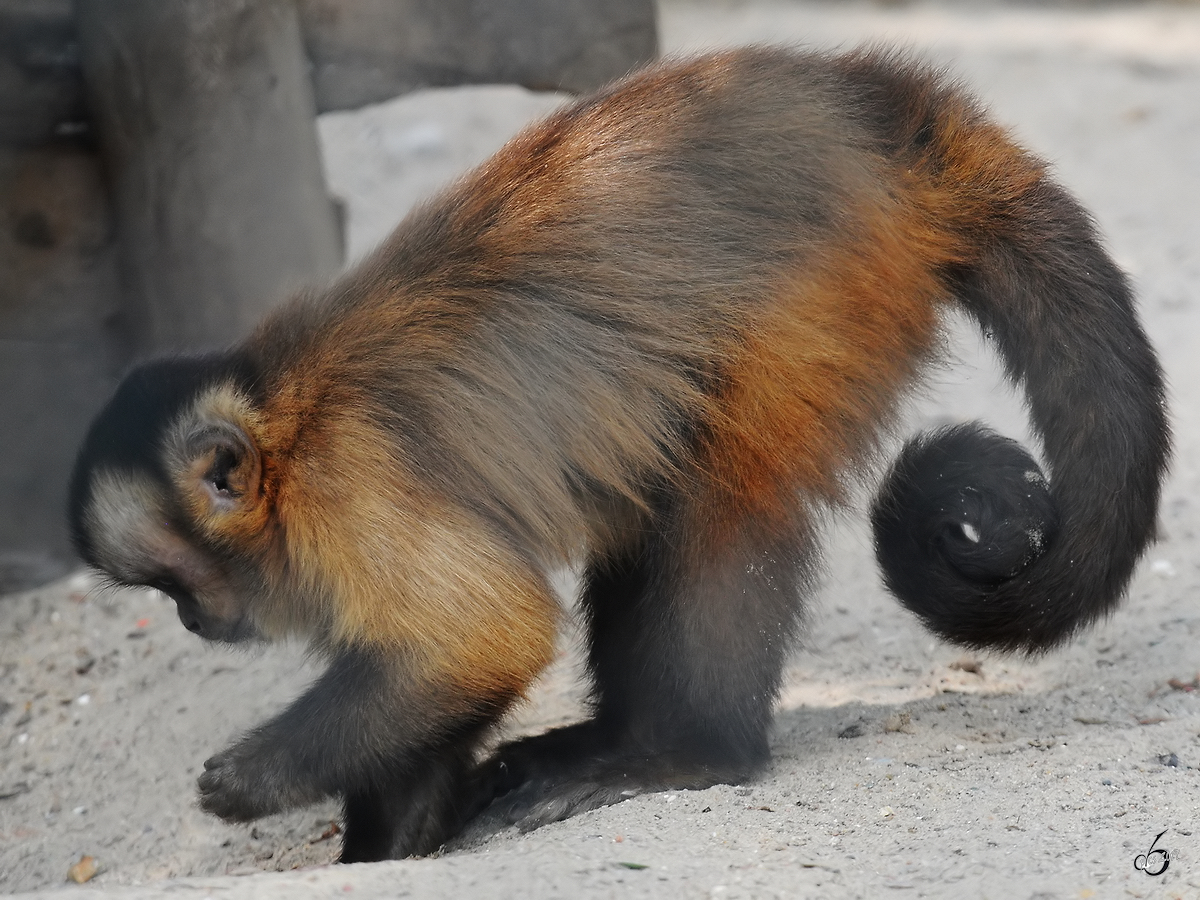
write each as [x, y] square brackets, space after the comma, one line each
[901, 764]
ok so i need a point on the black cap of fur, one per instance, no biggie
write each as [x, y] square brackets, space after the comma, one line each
[127, 435]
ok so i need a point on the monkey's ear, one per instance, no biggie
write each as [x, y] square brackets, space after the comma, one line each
[221, 470]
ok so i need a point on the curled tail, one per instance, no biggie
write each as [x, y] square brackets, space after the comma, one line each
[970, 536]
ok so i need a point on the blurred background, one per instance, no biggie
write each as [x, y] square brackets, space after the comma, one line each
[161, 182]
[171, 168]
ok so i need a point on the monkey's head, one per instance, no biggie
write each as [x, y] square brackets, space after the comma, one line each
[167, 476]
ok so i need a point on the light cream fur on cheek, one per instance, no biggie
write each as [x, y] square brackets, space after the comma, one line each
[134, 542]
[122, 516]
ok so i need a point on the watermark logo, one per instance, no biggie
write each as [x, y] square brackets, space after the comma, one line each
[1153, 862]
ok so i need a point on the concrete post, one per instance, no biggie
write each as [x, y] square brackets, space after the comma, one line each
[207, 125]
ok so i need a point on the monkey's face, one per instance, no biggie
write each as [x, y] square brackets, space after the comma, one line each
[131, 536]
[165, 486]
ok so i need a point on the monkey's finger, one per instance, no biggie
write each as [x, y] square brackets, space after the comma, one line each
[224, 801]
[209, 782]
[215, 762]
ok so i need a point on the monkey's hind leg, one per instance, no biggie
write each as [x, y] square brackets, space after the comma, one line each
[687, 639]
[411, 810]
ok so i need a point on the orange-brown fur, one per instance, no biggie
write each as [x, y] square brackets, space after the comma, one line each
[649, 338]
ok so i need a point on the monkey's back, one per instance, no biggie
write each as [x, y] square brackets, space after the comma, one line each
[716, 275]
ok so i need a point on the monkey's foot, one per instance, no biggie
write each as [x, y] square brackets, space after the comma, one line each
[413, 807]
[568, 771]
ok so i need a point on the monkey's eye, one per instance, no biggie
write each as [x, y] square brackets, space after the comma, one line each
[166, 584]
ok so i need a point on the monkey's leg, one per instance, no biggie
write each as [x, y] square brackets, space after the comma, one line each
[374, 735]
[687, 641]
[412, 810]
[393, 724]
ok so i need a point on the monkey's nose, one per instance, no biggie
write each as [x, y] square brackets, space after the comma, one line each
[189, 620]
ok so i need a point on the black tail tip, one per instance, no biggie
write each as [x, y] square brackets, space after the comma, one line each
[962, 511]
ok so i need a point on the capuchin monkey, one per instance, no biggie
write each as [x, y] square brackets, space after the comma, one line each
[656, 336]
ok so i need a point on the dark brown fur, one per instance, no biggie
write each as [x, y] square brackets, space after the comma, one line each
[652, 336]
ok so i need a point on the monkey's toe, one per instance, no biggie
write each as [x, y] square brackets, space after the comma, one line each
[553, 789]
[566, 801]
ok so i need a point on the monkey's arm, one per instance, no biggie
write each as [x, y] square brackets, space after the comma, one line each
[357, 719]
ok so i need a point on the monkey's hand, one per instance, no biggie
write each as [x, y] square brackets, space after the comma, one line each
[251, 779]
[304, 754]
[340, 737]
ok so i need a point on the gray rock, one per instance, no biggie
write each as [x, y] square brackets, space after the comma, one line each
[366, 51]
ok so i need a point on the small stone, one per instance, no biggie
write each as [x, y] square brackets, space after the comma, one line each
[83, 870]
